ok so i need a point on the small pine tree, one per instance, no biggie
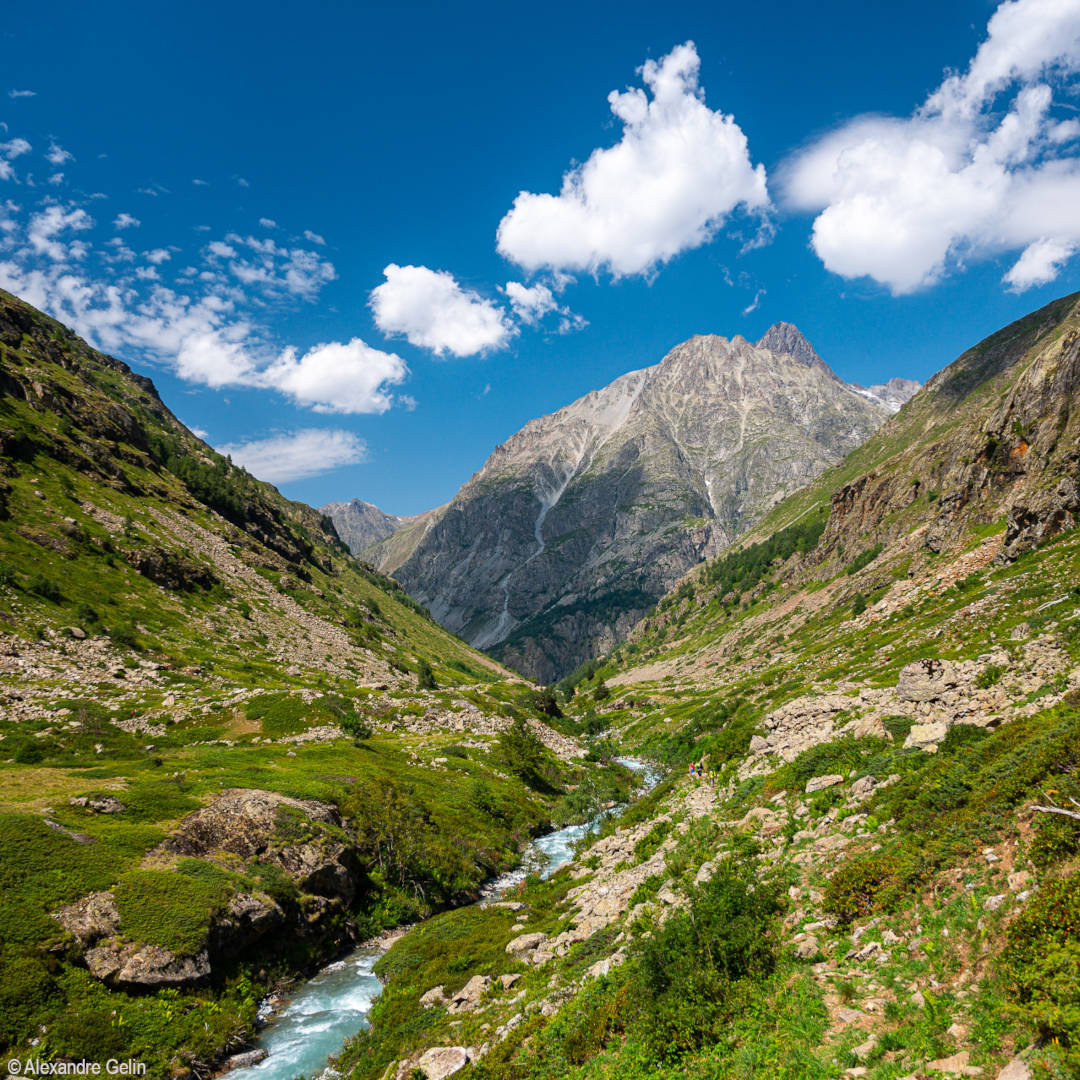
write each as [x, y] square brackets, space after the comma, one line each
[425, 677]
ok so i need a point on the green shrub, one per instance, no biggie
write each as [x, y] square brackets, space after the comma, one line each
[697, 971]
[838, 756]
[44, 587]
[863, 559]
[898, 727]
[280, 714]
[425, 677]
[861, 885]
[1042, 964]
[522, 750]
[858, 605]
[989, 676]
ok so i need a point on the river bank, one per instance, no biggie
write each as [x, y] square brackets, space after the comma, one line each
[318, 1017]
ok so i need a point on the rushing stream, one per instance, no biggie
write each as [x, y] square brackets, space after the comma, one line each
[333, 1005]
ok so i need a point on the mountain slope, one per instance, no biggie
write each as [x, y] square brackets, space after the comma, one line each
[583, 519]
[227, 749]
[866, 860]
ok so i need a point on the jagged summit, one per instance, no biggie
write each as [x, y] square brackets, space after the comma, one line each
[788, 340]
[361, 524]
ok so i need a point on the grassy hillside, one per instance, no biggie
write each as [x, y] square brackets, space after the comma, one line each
[880, 684]
[227, 748]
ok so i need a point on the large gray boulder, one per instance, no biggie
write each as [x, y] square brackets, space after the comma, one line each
[926, 680]
[145, 967]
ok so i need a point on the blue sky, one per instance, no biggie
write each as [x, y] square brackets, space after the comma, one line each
[360, 246]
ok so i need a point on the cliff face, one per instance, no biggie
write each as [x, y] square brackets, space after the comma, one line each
[993, 437]
[578, 523]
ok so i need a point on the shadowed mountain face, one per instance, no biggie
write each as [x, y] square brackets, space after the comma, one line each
[578, 523]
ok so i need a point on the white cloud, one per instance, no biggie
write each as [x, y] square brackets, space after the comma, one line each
[267, 223]
[296, 456]
[338, 378]
[313, 237]
[979, 169]
[530, 304]
[201, 183]
[205, 324]
[1040, 263]
[56, 179]
[430, 309]
[14, 94]
[755, 303]
[57, 155]
[50, 223]
[241, 182]
[10, 150]
[677, 172]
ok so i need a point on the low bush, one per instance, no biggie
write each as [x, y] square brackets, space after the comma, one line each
[862, 885]
[1042, 964]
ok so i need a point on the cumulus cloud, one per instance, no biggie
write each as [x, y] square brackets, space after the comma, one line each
[338, 378]
[1040, 263]
[126, 221]
[531, 303]
[57, 155]
[430, 309]
[267, 223]
[313, 237]
[15, 94]
[984, 166]
[667, 186]
[298, 455]
[50, 224]
[10, 150]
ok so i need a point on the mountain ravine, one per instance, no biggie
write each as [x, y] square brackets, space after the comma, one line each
[581, 521]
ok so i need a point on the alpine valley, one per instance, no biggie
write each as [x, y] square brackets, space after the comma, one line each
[577, 525]
[843, 624]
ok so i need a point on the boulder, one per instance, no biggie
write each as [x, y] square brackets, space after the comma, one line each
[927, 736]
[808, 948]
[430, 998]
[274, 829]
[819, 783]
[99, 804]
[470, 996]
[90, 919]
[955, 1065]
[245, 919]
[525, 944]
[758, 745]
[926, 680]
[1017, 1069]
[442, 1061]
[145, 967]
[246, 1059]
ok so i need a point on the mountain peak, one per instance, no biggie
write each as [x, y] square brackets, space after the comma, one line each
[789, 340]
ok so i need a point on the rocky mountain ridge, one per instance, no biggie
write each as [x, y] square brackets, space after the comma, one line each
[577, 524]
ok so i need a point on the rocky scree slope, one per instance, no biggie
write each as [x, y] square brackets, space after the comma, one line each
[582, 520]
